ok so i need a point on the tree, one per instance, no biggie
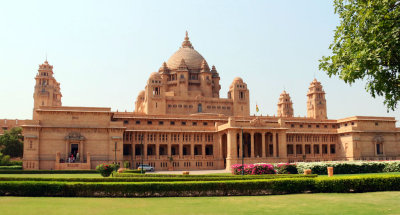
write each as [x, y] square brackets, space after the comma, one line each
[11, 142]
[367, 46]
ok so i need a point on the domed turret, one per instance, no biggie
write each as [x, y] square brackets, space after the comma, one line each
[285, 105]
[316, 103]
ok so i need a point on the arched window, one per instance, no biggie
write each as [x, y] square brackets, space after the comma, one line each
[199, 108]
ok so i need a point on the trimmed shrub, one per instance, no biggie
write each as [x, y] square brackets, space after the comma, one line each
[392, 166]
[152, 179]
[11, 167]
[202, 188]
[10, 171]
[133, 171]
[14, 163]
[286, 168]
[350, 167]
[5, 160]
[105, 170]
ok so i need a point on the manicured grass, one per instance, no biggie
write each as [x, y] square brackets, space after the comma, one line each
[353, 203]
[86, 175]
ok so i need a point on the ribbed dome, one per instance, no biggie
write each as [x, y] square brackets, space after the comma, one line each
[192, 58]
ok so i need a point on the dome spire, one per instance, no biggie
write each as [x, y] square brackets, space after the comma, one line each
[186, 43]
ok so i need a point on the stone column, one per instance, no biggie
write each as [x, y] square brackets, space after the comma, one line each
[66, 150]
[274, 145]
[221, 155]
[180, 150]
[252, 144]
[263, 144]
[203, 150]
[192, 150]
[241, 144]
[169, 149]
[145, 149]
[229, 145]
[157, 150]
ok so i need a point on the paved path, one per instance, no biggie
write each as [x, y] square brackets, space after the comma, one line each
[193, 172]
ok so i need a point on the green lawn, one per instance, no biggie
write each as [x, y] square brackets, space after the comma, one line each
[354, 203]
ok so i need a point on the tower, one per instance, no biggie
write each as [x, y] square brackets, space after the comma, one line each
[239, 93]
[285, 105]
[215, 82]
[316, 103]
[47, 89]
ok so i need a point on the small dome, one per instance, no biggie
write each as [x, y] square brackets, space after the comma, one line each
[155, 75]
[238, 80]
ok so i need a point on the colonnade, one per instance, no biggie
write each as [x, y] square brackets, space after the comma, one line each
[237, 144]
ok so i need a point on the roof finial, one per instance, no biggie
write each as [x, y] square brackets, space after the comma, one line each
[187, 43]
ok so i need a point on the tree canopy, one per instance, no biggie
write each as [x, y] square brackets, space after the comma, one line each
[366, 46]
[11, 142]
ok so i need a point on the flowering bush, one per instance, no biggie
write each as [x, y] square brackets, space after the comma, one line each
[286, 168]
[253, 169]
[105, 169]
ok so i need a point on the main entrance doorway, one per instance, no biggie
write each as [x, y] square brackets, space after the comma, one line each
[74, 149]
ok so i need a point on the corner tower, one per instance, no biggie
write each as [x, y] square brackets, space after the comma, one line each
[47, 89]
[316, 102]
[285, 105]
[240, 95]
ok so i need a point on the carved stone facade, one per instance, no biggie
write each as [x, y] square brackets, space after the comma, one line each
[181, 123]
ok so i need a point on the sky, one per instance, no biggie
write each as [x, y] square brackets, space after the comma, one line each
[104, 51]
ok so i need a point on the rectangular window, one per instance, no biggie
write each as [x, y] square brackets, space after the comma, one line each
[149, 122]
[183, 123]
[299, 149]
[333, 148]
[127, 150]
[161, 122]
[316, 149]
[209, 149]
[194, 123]
[137, 122]
[324, 149]
[379, 148]
[126, 121]
[290, 149]
[172, 123]
[205, 123]
[308, 149]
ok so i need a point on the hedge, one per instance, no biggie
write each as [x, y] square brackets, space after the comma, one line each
[3, 171]
[11, 167]
[151, 179]
[349, 167]
[201, 188]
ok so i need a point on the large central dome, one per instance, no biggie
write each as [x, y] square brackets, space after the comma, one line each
[192, 58]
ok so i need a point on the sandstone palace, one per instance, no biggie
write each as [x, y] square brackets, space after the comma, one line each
[180, 122]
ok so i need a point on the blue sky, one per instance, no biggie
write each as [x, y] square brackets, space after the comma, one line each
[104, 51]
